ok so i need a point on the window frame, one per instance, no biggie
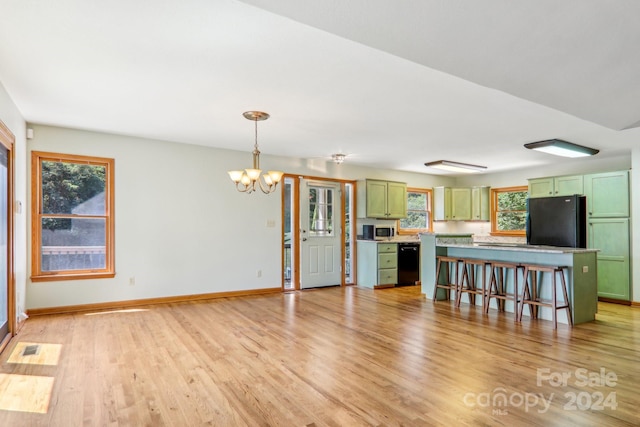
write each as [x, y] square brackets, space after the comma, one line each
[37, 275]
[412, 231]
[494, 210]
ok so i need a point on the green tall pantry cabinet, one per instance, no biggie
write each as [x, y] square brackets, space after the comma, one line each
[608, 230]
[608, 201]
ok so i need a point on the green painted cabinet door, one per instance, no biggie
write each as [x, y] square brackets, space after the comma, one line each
[461, 204]
[541, 187]
[568, 185]
[396, 200]
[480, 210]
[556, 186]
[607, 194]
[442, 203]
[376, 199]
[611, 236]
[384, 200]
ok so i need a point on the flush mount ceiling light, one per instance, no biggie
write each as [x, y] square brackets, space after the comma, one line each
[338, 157]
[246, 179]
[562, 148]
[455, 166]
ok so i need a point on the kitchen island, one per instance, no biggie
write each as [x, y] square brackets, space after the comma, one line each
[580, 275]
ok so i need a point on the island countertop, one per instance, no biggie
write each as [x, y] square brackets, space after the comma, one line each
[518, 247]
[580, 272]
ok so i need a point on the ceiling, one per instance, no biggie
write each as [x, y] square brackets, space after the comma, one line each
[391, 84]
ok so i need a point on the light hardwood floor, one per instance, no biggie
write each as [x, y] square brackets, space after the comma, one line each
[329, 357]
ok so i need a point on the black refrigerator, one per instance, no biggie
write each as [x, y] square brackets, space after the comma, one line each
[557, 221]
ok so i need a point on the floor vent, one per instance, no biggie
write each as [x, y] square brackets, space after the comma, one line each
[31, 350]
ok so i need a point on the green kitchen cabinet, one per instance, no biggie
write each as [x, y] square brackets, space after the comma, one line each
[382, 199]
[480, 204]
[607, 194]
[611, 237]
[541, 187]
[442, 203]
[451, 204]
[556, 186]
[377, 264]
[608, 213]
[461, 203]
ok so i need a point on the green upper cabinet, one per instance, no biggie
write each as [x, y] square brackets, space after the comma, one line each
[376, 199]
[382, 199]
[461, 204]
[607, 194]
[541, 187]
[396, 200]
[442, 203]
[556, 186]
[480, 205]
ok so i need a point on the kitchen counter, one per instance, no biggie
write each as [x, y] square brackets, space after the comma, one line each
[580, 275]
[520, 247]
[393, 240]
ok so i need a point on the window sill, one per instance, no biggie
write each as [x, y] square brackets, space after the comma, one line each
[66, 276]
[413, 232]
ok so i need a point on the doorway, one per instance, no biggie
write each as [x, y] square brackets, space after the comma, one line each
[317, 232]
[7, 301]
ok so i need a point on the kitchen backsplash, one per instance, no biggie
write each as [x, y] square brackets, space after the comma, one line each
[480, 230]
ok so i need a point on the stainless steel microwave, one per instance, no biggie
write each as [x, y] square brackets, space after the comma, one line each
[377, 232]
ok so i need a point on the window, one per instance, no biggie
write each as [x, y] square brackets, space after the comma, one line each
[509, 211]
[320, 211]
[418, 212]
[72, 217]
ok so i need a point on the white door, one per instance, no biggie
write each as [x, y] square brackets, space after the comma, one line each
[320, 234]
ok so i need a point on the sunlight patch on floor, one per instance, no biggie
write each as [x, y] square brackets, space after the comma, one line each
[25, 393]
[128, 310]
[46, 354]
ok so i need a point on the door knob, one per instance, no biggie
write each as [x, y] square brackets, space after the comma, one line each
[304, 239]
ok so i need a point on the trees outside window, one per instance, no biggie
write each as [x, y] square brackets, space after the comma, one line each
[509, 210]
[418, 212]
[72, 217]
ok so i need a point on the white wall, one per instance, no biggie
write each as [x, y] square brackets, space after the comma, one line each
[12, 117]
[181, 227]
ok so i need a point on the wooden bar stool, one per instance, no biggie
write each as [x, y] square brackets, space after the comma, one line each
[531, 292]
[498, 287]
[468, 282]
[451, 275]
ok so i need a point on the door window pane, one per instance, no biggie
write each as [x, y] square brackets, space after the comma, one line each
[320, 211]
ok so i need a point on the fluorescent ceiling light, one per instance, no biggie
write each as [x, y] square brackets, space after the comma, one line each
[455, 166]
[559, 147]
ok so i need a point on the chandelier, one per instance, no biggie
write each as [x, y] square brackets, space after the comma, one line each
[246, 179]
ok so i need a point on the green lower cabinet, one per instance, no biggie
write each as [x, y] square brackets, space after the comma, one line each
[611, 236]
[377, 264]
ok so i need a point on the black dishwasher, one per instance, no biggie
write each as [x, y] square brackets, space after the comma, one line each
[408, 263]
